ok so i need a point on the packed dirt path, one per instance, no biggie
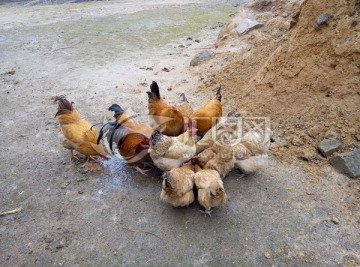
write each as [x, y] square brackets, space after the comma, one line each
[100, 53]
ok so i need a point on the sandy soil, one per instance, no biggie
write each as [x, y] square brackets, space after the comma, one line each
[101, 53]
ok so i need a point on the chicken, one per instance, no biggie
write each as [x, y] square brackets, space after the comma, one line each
[170, 152]
[211, 192]
[250, 154]
[76, 133]
[184, 107]
[131, 137]
[177, 186]
[217, 157]
[163, 117]
[207, 115]
[224, 132]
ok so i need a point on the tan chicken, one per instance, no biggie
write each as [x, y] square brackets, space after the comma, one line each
[170, 152]
[223, 132]
[76, 133]
[211, 192]
[177, 186]
[163, 117]
[207, 116]
[217, 157]
[250, 154]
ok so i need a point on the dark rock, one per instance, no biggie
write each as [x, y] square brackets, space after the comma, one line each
[348, 163]
[279, 140]
[201, 58]
[328, 146]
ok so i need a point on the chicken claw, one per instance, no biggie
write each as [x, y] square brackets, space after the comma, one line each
[207, 212]
[143, 172]
[73, 156]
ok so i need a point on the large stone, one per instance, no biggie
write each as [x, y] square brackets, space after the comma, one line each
[246, 25]
[328, 146]
[348, 163]
[201, 58]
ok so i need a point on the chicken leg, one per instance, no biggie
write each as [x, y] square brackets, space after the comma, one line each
[207, 211]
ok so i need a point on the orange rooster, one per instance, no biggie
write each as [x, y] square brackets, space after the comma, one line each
[163, 117]
[76, 133]
[207, 115]
[132, 138]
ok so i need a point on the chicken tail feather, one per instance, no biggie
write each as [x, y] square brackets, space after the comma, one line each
[218, 93]
[183, 98]
[155, 91]
[155, 137]
[65, 106]
[104, 129]
[117, 109]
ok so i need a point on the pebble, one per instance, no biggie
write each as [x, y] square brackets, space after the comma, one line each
[267, 255]
[323, 19]
[335, 220]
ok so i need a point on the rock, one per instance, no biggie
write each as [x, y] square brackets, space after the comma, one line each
[348, 163]
[278, 140]
[297, 141]
[285, 15]
[335, 220]
[247, 25]
[328, 146]
[323, 19]
[267, 255]
[307, 155]
[201, 58]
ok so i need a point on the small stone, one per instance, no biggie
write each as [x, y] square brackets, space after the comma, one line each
[323, 19]
[278, 140]
[201, 58]
[335, 220]
[80, 191]
[48, 239]
[348, 163]
[169, 89]
[165, 69]
[297, 141]
[63, 186]
[307, 155]
[285, 15]
[59, 244]
[328, 146]
[267, 255]
[197, 41]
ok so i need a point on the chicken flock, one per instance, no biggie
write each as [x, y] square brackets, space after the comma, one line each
[187, 145]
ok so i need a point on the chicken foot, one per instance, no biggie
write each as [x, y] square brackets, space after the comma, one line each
[73, 156]
[207, 212]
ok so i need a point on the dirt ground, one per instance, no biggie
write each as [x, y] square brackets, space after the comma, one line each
[293, 213]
